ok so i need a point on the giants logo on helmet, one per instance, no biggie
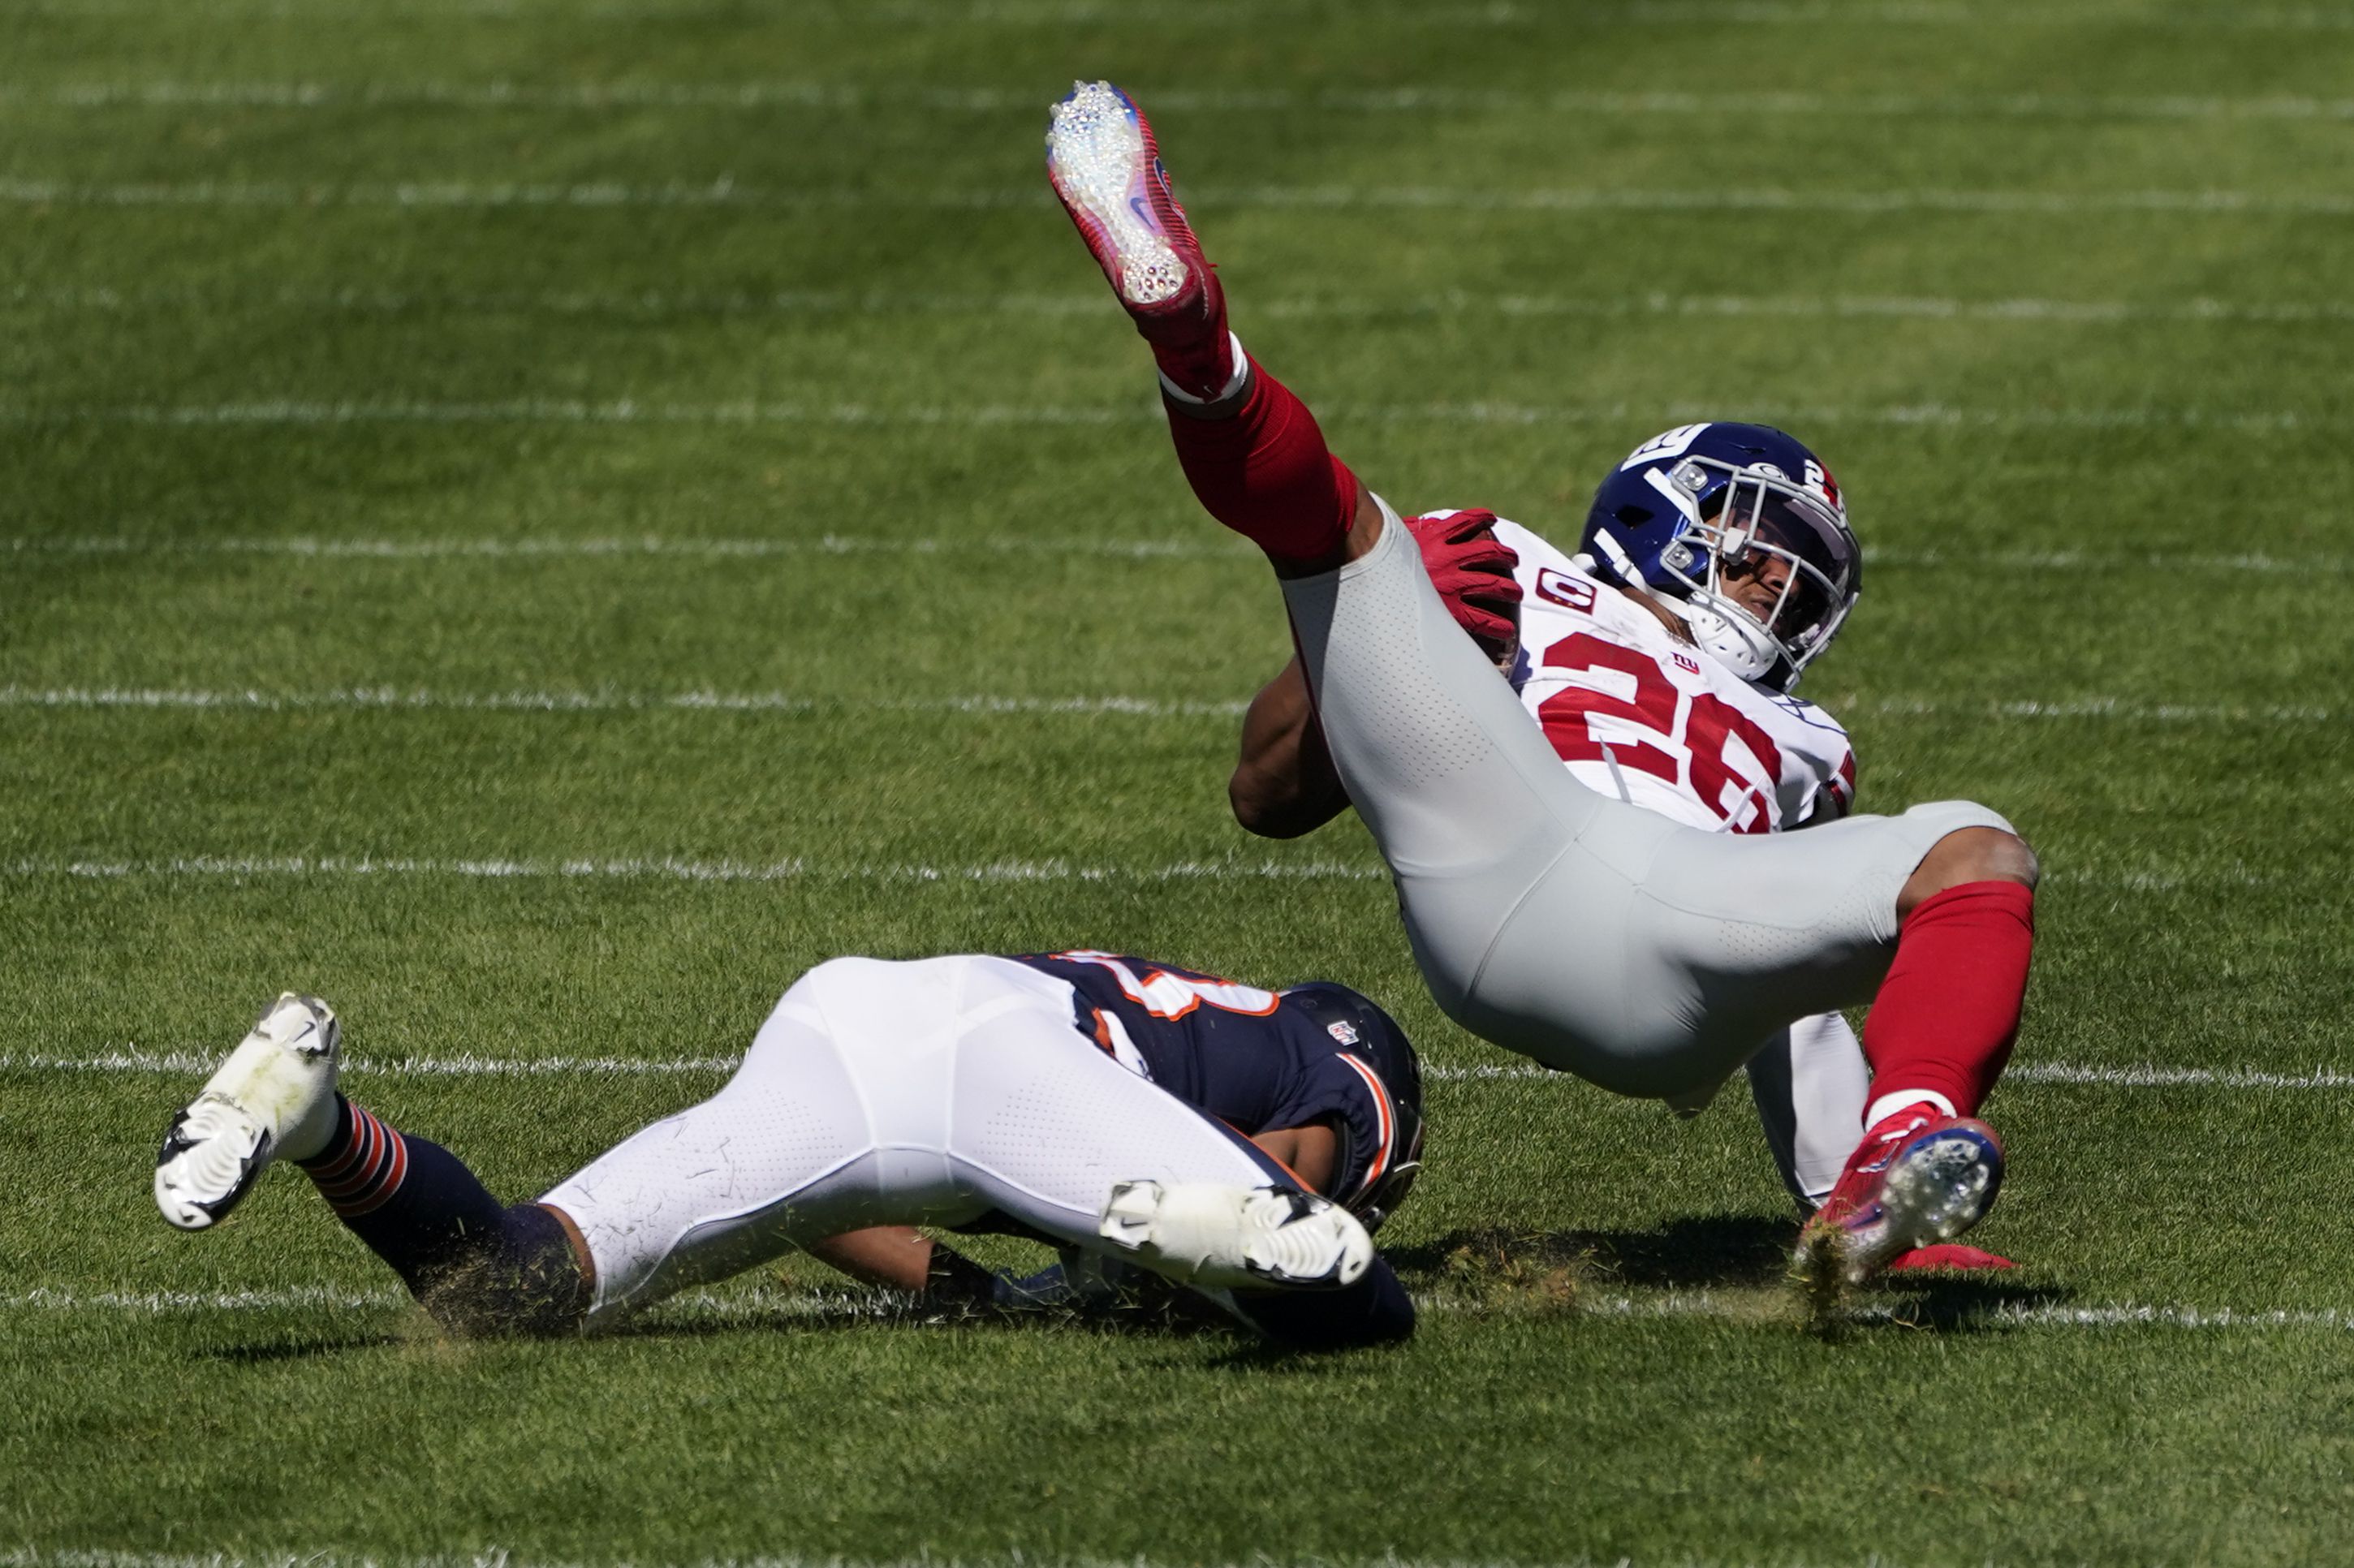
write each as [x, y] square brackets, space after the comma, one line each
[1819, 480]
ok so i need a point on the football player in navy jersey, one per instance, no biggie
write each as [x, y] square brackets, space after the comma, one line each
[1238, 1142]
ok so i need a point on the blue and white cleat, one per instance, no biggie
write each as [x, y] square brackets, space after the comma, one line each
[273, 1097]
[1919, 1179]
[1105, 168]
[1236, 1238]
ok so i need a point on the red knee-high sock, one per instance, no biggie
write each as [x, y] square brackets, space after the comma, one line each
[1267, 473]
[1948, 1012]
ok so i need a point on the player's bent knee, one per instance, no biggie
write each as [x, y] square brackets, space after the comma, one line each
[526, 1280]
[1993, 854]
[1971, 854]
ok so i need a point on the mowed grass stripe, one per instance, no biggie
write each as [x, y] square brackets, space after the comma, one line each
[137, 1060]
[629, 411]
[2122, 710]
[1402, 99]
[1753, 1308]
[1197, 546]
[726, 192]
[400, 299]
[669, 868]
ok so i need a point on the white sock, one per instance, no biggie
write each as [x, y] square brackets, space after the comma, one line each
[1887, 1105]
[1234, 382]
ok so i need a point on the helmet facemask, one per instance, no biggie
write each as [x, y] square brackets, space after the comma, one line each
[1382, 1197]
[1743, 525]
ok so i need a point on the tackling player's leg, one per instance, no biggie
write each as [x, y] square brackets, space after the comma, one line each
[478, 1265]
[961, 1088]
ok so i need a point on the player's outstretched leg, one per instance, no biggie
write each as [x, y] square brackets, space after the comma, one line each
[478, 1266]
[1464, 796]
[1250, 449]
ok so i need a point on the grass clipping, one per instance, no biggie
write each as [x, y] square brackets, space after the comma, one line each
[1516, 1276]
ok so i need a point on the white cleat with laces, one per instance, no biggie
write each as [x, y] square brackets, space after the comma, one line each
[273, 1098]
[1236, 1238]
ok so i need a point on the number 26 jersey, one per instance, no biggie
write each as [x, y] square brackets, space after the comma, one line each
[1640, 715]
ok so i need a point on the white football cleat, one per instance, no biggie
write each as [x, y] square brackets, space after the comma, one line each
[1236, 1238]
[275, 1097]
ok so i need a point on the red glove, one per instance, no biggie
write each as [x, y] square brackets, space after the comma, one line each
[1472, 570]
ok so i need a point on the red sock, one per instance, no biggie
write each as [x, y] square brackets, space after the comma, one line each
[1948, 1012]
[1267, 473]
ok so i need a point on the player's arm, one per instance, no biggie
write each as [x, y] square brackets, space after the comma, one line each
[899, 1256]
[1285, 784]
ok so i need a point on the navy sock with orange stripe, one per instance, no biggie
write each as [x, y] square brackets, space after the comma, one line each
[477, 1265]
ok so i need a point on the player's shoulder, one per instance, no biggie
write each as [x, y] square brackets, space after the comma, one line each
[1530, 545]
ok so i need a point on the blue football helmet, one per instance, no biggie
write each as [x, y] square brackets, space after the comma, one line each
[1707, 515]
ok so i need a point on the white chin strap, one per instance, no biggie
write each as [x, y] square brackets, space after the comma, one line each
[1736, 642]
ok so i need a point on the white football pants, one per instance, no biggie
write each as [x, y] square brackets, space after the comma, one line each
[1647, 957]
[923, 1093]
[1811, 1086]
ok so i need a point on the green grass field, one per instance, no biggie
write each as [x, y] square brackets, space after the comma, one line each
[540, 521]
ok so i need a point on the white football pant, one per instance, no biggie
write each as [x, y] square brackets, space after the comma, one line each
[922, 1092]
[1647, 957]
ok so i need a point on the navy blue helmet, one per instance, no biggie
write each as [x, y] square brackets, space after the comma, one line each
[1696, 510]
[1378, 1162]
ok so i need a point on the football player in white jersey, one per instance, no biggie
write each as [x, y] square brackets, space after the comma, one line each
[1636, 709]
[1578, 926]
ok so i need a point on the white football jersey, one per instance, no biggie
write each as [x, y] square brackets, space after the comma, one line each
[1638, 715]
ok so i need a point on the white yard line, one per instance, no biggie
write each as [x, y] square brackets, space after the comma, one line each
[132, 1059]
[2151, 1078]
[1701, 1304]
[388, 300]
[679, 870]
[565, 411]
[725, 191]
[1405, 99]
[699, 1304]
[1202, 545]
[630, 411]
[571, 701]
[391, 698]
[135, 1060]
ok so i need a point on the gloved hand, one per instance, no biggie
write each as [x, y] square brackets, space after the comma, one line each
[1472, 570]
